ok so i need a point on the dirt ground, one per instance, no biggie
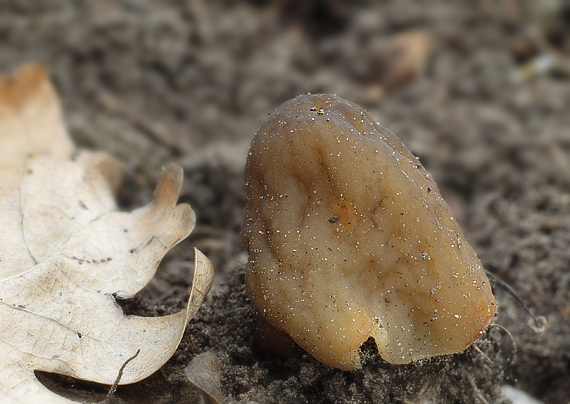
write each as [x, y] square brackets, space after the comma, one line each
[188, 82]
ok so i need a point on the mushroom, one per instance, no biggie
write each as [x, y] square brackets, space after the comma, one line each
[349, 238]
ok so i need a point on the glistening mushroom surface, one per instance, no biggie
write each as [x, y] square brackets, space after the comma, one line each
[348, 237]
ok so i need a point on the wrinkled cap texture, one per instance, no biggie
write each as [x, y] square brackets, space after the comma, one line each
[349, 238]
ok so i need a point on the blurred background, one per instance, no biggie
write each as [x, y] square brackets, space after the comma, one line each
[479, 91]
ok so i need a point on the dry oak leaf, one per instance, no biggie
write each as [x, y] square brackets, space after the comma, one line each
[65, 252]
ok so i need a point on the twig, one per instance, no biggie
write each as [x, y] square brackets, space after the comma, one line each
[483, 354]
[514, 344]
[508, 288]
[109, 398]
[476, 390]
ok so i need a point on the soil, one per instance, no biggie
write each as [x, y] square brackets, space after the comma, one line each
[188, 83]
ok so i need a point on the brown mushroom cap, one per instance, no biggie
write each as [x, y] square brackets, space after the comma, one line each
[348, 237]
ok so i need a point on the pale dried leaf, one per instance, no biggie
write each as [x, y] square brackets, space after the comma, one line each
[204, 372]
[65, 251]
[399, 61]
